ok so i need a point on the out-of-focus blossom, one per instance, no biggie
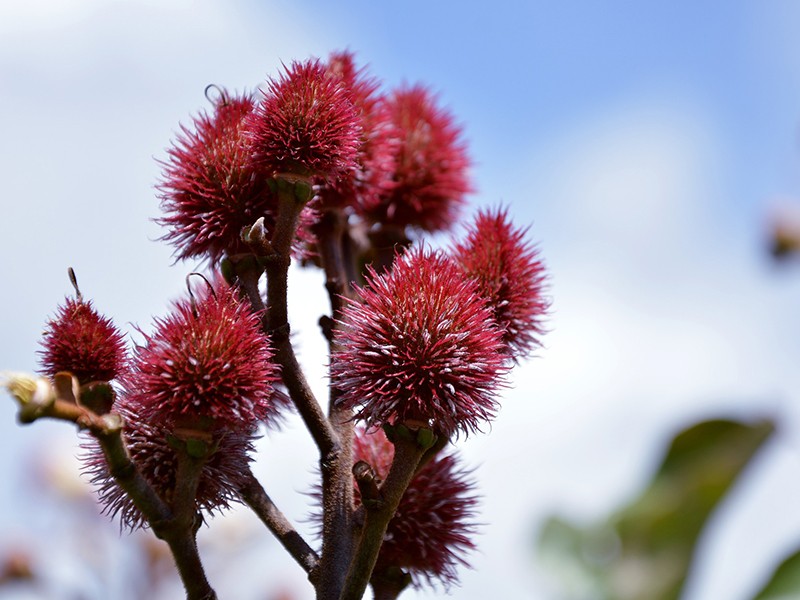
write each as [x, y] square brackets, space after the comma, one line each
[377, 143]
[431, 165]
[510, 276]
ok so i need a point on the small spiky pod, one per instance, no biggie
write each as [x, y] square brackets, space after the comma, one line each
[210, 189]
[430, 176]
[305, 125]
[83, 342]
[419, 347]
[510, 275]
[431, 530]
[207, 365]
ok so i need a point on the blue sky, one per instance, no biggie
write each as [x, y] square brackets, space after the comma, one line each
[647, 148]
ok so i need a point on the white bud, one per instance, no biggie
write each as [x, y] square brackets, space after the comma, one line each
[34, 394]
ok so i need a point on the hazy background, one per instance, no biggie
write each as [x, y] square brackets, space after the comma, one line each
[647, 148]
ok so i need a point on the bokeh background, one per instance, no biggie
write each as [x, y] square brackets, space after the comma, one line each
[648, 145]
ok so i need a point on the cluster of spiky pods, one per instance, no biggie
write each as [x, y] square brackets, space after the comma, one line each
[323, 167]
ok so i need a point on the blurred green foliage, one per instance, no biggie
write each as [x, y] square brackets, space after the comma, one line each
[785, 582]
[644, 551]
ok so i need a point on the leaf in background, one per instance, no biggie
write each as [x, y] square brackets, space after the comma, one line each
[645, 549]
[785, 582]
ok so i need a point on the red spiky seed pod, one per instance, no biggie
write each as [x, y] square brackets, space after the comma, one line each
[377, 143]
[305, 125]
[83, 342]
[148, 444]
[210, 189]
[510, 275]
[207, 365]
[431, 530]
[419, 347]
[431, 165]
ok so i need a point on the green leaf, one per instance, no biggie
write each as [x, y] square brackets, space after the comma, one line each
[644, 550]
[785, 581]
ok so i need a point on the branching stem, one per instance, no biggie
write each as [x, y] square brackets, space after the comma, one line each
[178, 533]
[338, 537]
[277, 323]
[262, 505]
[406, 458]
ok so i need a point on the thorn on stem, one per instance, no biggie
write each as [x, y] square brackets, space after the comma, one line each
[367, 482]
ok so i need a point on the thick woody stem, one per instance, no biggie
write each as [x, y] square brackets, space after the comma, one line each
[276, 256]
[337, 484]
[277, 321]
[257, 499]
[330, 232]
[187, 478]
[180, 533]
[406, 458]
[327, 434]
[183, 545]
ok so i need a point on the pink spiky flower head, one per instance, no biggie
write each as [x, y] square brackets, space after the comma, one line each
[210, 189]
[419, 347]
[510, 275]
[156, 459]
[208, 366]
[430, 532]
[83, 342]
[430, 176]
[305, 125]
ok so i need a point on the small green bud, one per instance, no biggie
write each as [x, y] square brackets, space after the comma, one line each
[300, 187]
[197, 448]
[227, 268]
[196, 442]
[303, 191]
[402, 431]
[425, 438]
[390, 431]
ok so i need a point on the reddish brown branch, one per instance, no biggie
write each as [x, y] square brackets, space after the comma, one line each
[277, 323]
[257, 499]
[337, 484]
